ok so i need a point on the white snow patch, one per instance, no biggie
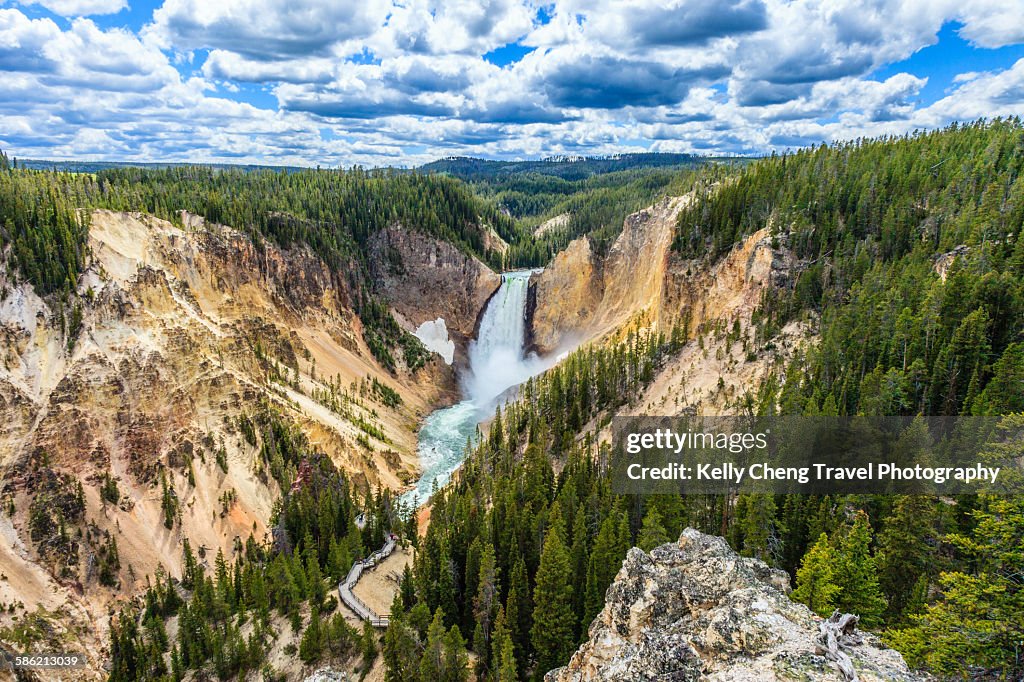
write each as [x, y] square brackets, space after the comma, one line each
[434, 335]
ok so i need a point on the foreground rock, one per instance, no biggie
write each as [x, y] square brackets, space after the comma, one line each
[697, 610]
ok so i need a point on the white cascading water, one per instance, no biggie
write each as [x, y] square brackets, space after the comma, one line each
[496, 356]
[497, 362]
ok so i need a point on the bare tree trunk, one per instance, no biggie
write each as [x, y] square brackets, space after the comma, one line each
[835, 633]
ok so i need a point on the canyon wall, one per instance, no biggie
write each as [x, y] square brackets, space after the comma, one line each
[584, 295]
[424, 278]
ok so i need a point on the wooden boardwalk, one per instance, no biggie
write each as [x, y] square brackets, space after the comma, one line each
[345, 587]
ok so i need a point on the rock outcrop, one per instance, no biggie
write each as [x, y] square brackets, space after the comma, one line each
[328, 675]
[696, 610]
[574, 278]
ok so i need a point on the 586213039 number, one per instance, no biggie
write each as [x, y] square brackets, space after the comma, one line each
[44, 661]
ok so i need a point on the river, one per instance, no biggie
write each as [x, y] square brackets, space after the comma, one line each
[497, 362]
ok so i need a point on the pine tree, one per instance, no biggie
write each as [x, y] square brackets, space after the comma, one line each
[578, 558]
[1003, 393]
[857, 575]
[593, 598]
[976, 621]
[432, 661]
[506, 666]
[552, 633]
[519, 613]
[407, 588]
[486, 603]
[310, 646]
[905, 555]
[610, 547]
[314, 578]
[815, 581]
[446, 588]
[652, 532]
[401, 647]
[503, 655]
[758, 524]
[368, 645]
[456, 661]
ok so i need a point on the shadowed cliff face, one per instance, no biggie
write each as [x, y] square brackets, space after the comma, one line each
[424, 278]
[696, 610]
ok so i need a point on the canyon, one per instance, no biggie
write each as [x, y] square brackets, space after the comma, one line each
[187, 328]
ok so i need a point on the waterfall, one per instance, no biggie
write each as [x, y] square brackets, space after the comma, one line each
[497, 358]
[497, 362]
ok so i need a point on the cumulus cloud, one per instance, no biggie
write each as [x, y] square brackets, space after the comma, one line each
[999, 93]
[681, 23]
[263, 29]
[452, 26]
[992, 23]
[613, 82]
[387, 81]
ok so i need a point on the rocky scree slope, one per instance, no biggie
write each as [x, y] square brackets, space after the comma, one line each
[696, 610]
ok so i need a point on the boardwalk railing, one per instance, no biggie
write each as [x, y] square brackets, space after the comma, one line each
[345, 587]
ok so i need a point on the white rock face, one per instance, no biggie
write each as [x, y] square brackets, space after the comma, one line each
[327, 675]
[434, 335]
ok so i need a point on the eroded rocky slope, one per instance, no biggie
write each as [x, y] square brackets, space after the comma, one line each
[583, 295]
[642, 284]
[696, 610]
[181, 336]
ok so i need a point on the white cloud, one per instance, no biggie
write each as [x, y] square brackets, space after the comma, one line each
[992, 23]
[264, 28]
[451, 26]
[233, 66]
[987, 95]
[81, 8]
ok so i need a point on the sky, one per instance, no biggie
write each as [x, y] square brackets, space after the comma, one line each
[403, 82]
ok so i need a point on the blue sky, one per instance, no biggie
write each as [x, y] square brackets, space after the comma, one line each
[379, 82]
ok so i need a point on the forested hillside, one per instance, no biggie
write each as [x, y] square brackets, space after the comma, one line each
[556, 210]
[566, 168]
[335, 211]
[913, 261]
[559, 199]
[912, 278]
